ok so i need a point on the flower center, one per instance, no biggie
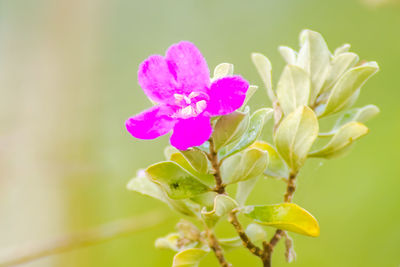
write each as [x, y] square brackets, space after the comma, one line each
[191, 105]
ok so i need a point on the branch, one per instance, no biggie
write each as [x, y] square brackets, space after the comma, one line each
[103, 233]
[214, 245]
[245, 239]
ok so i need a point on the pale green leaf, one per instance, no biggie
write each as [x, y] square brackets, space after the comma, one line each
[276, 165]
[189, 258]
[230, 128]
[223, 204]
[223, 70]
[257, 121]
[293, 88]
[250, 92]
[288, 54]
[340, 64]
[178, 183]
[249, 164]
[314, 58]
[295, 136]
[197, 159]
[348, 85]
[264, 68]
[342, 49]
[145, 186]
[362, 115]
[168, 242]
[343, 138]
[285, 216]
[168, 151]
[244, 189]
[256, 233]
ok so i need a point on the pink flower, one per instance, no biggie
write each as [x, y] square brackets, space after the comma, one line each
[186, 99]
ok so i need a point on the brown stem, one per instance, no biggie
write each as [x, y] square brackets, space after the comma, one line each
[269, 247]
[245, 239]
[213, 157]
[214, 245]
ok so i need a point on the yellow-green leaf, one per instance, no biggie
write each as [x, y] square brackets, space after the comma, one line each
[288, 54]
[189, 257]
[264, 68]
[285, 216]
[182, 161]
[342, 139]
[293, 88]
[222, 206]
[230, 128]
[276, 165]
[347, 86]
[295, 136]
[222, 70]
[178, 183]
[241, 167]
[314, 58]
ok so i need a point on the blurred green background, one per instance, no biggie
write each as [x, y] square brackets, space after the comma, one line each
[68, 82]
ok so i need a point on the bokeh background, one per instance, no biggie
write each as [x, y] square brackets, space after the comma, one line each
[68, 82]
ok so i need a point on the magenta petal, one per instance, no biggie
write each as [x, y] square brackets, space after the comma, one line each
[226, 95]
[191, 132]
[189, 67]
[155, 78]
[151, 123]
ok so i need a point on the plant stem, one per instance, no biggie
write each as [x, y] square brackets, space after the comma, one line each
[245, 239]
[269, 247]
[29, 252]
[214, 245]
[213, 157]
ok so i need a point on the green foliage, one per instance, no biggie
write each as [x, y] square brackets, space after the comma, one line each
[295, 136]
[286, 216]
[314, 84]
[178, 183]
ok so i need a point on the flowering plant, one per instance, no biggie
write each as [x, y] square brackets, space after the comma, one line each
[215, 142]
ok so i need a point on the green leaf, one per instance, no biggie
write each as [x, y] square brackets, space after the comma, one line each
[293, 88]
[347, 86]
[343, 138]
[168, 242]
[244, 189]
[230, 128]
[197, 159]
[256, 233]
[178, 183]
[257, 121]
[342, 49]
[168, 151]
[362, 115]
[295, 136]
[263, 66]
[314, 58]
[189, 258]
[145, 186]
[340, 64]
[223, 70]
[241, 167]
[250, 92]
[276, 165]
[285, 216]
[222, 206]
[185, 164]
[288, 54]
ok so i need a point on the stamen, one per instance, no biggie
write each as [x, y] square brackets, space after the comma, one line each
[187, 112]
[187, 100]
[201, 106]
[194, 94]
[178, 97]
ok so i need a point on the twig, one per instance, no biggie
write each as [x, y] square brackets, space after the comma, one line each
[214, 245]
[213, 157]
[103, 233]
[269, 247]
[245, 239]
